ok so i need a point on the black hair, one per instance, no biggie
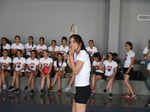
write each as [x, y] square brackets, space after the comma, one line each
[108, 55]
[19, 51]
[130, 44]
[60, 54]
[97, 55]
[7, 41]
[42, 38]
[18, 36]
[32, 40]
[91, 40]
[79, 40]
[63, 38]
[53, 41]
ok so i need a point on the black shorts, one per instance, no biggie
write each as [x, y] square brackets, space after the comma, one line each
[82, 94]
[99, 73]
[126, 69]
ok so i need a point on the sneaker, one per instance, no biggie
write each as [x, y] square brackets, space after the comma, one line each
[31, 92]
[110, 96]
[17, 91]
[105, 90]
[126, 96]
[26, 88]
[67, 89]
[4, 86]
[132, 97]
[11, 88]
[41, 91]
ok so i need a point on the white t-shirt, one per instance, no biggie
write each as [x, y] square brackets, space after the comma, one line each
[19, 46]
[64, 49]
[95, 63]
[109, 67]
[61, 65]
[7, 46]
[32, 64]
[5, 61]
[29, 48]
[46, 62]
[82, 79]
[50, 48]
[92, 50]
[40, 48]
[19, 63]
[128, 56]
[145, 51]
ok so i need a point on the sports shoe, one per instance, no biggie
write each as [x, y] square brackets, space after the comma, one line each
[67, 89]
[11, 88]
[17, 91]
[26, 88]
[126, 96]
[132, 97]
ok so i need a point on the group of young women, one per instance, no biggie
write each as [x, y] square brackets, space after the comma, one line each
[86, 66]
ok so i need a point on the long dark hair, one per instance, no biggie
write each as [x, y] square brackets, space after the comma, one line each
[32, 40]
[7, 42]
[59, 54]
[79, 40]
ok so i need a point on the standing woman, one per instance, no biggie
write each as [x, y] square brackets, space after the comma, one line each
[29, 46]
[5, 62]
[128, 69]
[18, 67]
[45, 67]
[81, 67]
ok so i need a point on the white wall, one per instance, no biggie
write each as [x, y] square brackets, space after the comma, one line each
[131, 29]
[53, 18]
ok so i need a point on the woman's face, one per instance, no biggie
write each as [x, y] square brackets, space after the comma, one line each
[5, 53]
[30, 40]
[45, 53]
[73, 44]
[41, 41]
[127, 47]
[17, 40]
[53, 43]
[64, 42]
[110, 56]
[60, 57]
[33, 54]
[18, 54]
[3, 41]
[91, 44]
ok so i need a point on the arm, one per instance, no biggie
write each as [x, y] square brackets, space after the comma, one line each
[131, 65]
[50, 68]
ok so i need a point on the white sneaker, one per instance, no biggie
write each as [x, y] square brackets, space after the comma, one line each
[67, 89]
[4, 86]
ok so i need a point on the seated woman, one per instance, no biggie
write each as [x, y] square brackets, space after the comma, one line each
[41, 47]
[53, 49]
[17, 46]
[5, 44]
[18, 67]
[5, 62]
[97, 70]
[32, 68]
[91, 49]
[29, 46]
[59, 67]
[64, 47]
[45, 67]
[110, 73]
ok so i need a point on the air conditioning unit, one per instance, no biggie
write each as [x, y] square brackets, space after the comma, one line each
[143, 17]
